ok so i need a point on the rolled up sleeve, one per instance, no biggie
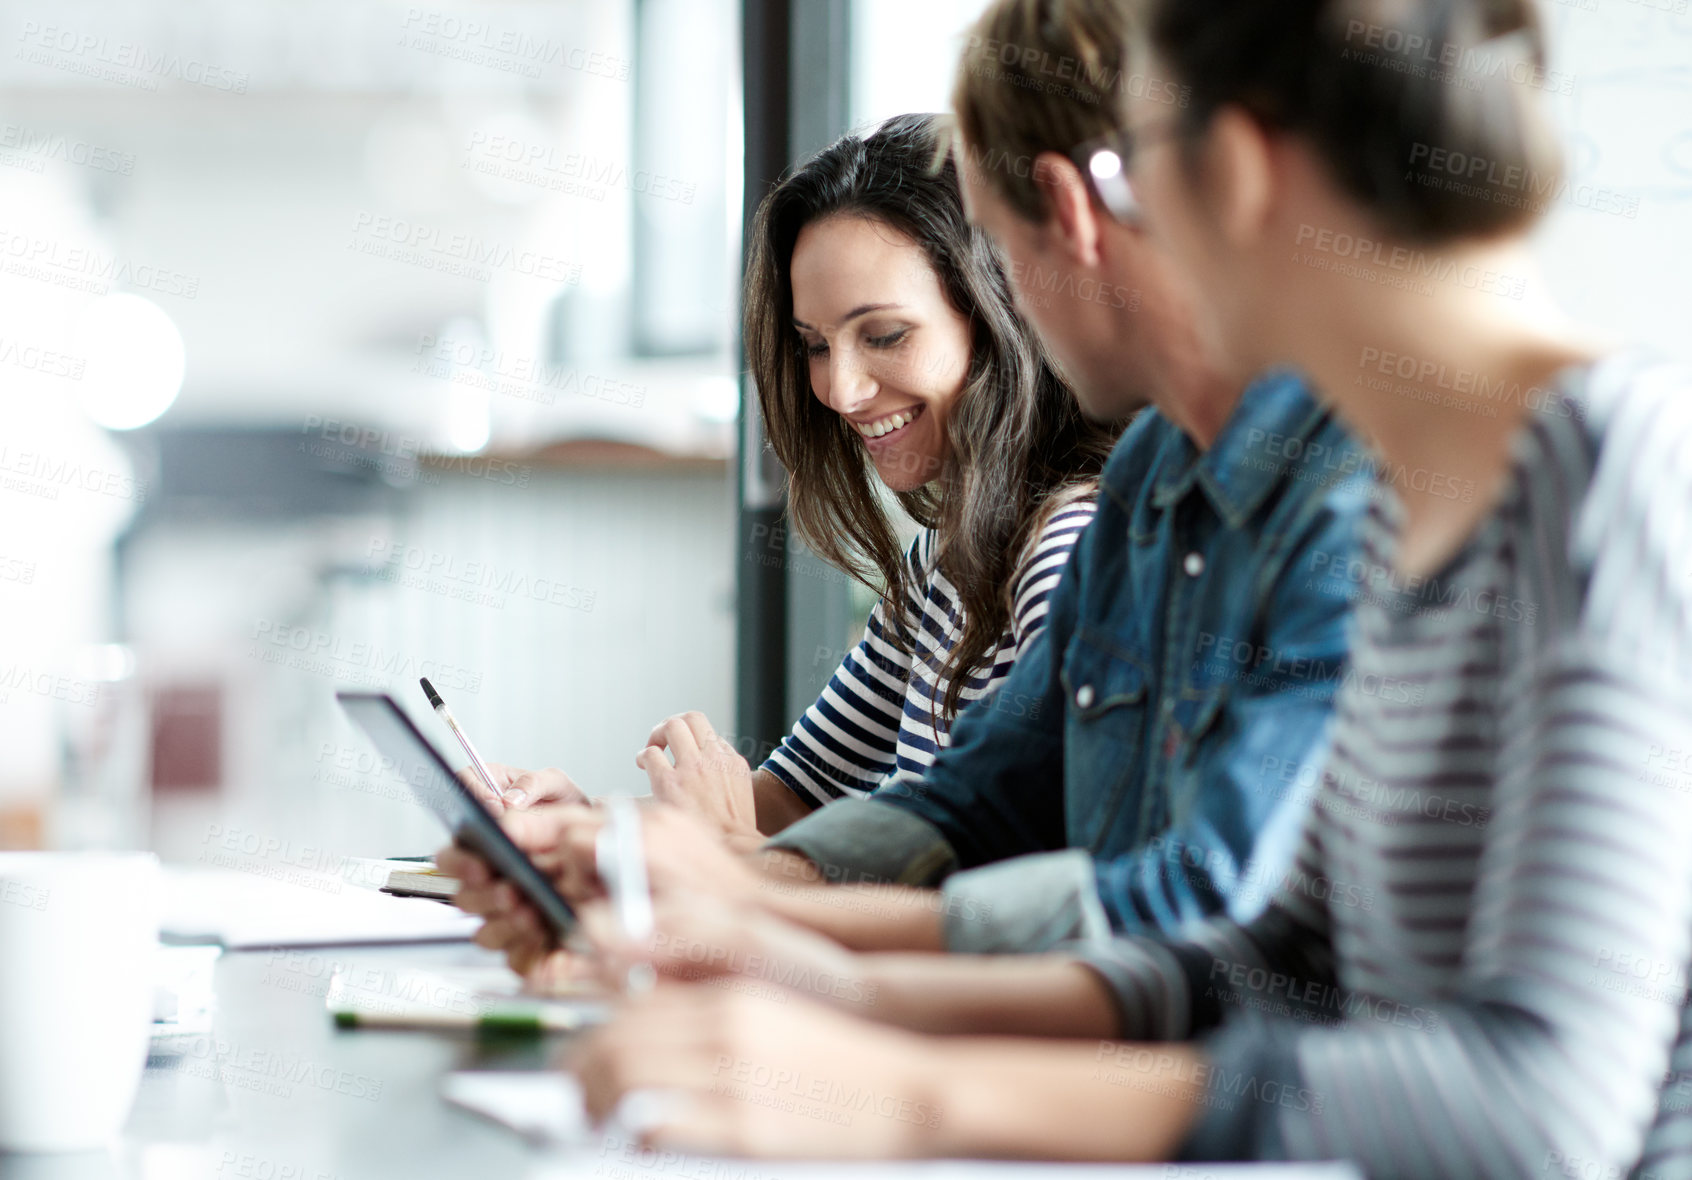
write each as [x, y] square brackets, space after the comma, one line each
[855, 840]
[1028, 904]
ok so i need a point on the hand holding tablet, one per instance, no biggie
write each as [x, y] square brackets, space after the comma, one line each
[436, 786]
[489, 852]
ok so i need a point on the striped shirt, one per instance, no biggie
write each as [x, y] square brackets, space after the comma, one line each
[877, 716]
[1477, 965]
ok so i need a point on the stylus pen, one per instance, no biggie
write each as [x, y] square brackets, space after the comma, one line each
[445, 715]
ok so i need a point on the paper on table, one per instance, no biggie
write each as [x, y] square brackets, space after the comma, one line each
[182, 989]
[243, 910]
[545, 1107]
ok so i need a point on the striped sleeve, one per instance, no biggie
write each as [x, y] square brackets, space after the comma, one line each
[1541, 1045]
[1043, 570]
[1536, 1057]
[846, 743]
[1528, 1056]
[1174, 990]
[1533, 1057]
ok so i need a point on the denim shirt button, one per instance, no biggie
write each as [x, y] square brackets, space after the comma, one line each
[1084, 696]
[1194, 564]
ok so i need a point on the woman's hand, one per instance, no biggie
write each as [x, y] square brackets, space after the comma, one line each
[682, 856]
[511, 925]
[742, 948]
[522, 788]
[739, 1074]
[564, 973]
[709, 777]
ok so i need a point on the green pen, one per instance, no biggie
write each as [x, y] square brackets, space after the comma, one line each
[492, 1023]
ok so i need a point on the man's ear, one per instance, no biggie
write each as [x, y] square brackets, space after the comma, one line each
[1239, 175]
[1072, 224]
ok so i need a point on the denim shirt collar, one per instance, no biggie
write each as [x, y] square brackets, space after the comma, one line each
[1275, 417]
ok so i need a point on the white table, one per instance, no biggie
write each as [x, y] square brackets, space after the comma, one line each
[274, 1092]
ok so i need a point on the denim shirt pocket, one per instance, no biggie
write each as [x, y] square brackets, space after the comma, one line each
[1200, 717]
[1105, 689]
[1196, 714]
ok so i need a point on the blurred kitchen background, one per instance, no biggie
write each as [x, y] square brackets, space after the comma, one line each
[344, 342]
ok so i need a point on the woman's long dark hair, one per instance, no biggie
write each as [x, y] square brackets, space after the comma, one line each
[1016, 435]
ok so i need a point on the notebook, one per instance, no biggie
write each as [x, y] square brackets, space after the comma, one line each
[245, 910]
[421, 880]
[405, 876]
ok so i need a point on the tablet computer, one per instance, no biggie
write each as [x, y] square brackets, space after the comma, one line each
[431, 779]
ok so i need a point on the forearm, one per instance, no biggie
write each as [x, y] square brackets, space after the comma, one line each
[1023, 1099]
[777, 804]
[863, 917]
[996, 995]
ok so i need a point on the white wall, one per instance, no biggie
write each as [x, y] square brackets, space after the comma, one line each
[574, 678]
[903, 55]
[1628, 126]
[1627, 120]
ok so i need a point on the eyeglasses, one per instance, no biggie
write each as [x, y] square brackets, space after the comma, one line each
[1105, 162]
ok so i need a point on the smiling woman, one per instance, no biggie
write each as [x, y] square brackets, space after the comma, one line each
[891, 367]
[886, 349]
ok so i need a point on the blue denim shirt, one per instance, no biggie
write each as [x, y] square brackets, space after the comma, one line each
[1169, 725]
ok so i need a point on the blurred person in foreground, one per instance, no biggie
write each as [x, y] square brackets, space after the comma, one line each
[1444, 986]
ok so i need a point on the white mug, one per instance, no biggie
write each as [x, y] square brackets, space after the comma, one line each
[78, 938]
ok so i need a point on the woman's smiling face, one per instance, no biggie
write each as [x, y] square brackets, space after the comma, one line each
[887, 351]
